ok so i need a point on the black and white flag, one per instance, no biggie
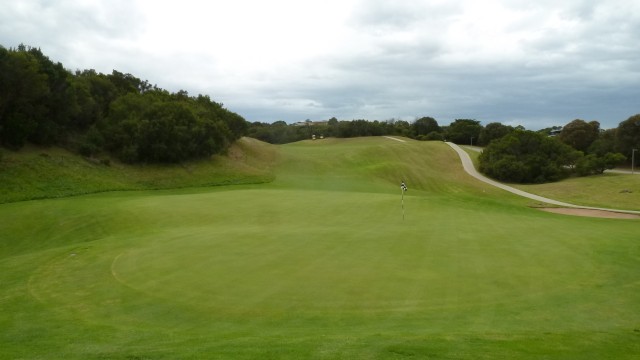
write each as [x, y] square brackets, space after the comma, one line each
[403, 186]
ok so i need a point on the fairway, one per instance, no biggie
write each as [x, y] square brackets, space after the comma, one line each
[319, 264]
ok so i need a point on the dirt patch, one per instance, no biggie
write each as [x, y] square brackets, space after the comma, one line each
[591, 213]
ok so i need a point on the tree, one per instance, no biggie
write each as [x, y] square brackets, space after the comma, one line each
[424, 126]
[59, 102]
[127, 83]
[628, 135]
[551, 131]
[42, 102]
[606, 143]
[528, 157]
[580, 134]
[492, 132]
[95, 93]
[332, 127]
[594, 164]
[401, 127]
[432, 136]
[462, 131]
[23, 95]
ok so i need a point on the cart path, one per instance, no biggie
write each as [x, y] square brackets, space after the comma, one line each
[396, 139]
[467, 164]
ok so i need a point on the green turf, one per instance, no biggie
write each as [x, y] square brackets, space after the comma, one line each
[318, 264]
[37, 173]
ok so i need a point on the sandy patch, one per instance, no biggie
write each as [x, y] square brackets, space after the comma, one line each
[591, 213]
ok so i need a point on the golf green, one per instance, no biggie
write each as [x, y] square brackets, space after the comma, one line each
[320, 264]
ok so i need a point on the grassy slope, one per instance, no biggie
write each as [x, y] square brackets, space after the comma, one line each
[318, 264]
[36, 173]
[609, 190]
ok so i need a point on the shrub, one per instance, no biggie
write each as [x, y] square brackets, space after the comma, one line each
[594, 164]
[433, 136]
[528, 157]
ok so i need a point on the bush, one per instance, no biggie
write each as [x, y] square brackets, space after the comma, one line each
[594, 164]
[434, 136]
[528, 157]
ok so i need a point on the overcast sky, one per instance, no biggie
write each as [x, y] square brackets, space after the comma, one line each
[519, 62]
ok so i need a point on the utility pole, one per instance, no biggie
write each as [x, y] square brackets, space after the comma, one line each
[633, 159]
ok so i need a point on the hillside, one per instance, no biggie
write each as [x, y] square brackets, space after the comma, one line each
[50, 172]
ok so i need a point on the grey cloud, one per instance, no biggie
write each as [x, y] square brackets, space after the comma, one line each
[401, 15]
[70, 31]
[401, 65]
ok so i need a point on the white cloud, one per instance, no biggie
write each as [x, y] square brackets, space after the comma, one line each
[494, 60]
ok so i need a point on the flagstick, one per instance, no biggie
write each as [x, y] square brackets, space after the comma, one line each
[402, 204]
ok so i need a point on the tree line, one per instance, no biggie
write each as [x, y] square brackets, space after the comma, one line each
[92, 113]
[511, 153]
[580, 147]
[280, 132]
[121, 115]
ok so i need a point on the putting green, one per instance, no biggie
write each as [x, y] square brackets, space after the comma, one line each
[319, 264]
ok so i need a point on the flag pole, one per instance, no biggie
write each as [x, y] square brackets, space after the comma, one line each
[402, 204]
[403, 188]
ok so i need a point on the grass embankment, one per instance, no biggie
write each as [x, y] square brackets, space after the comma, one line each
[37, 173]
[608, 190]
[318, 264]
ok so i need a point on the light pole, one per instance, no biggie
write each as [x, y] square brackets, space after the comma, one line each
[633, 159]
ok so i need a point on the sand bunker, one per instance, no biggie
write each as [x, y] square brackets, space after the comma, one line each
[591, 213]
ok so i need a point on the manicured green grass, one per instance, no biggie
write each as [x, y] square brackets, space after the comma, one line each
[318, 264]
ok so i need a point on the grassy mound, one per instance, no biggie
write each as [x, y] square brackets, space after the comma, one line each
[318, 264]
[37, 173]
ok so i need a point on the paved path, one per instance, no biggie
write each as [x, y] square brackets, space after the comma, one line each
[467, 164]
[396, 139]
[618, 171]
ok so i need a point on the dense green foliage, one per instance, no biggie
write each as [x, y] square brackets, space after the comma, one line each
[580, 134]
[591, 164]
[43, 103]
[522, 156]
[511, 158]
[464, 131]
[628, 135]
[280, 132]
[318, 264]
[493, 131]
[527, 157]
